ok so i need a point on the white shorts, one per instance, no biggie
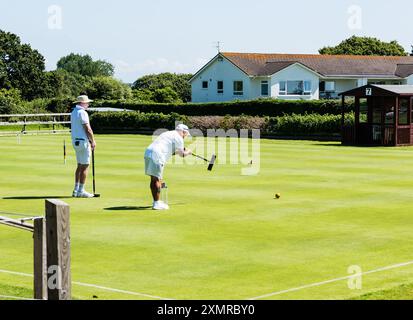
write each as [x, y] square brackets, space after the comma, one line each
[83, 151]
[153, 169]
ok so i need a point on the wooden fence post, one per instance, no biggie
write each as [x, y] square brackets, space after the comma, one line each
[40, 259]
[58, 250]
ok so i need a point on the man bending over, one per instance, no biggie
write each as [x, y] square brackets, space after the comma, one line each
[157, 155]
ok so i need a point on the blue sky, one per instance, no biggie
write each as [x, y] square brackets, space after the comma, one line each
[142, 37]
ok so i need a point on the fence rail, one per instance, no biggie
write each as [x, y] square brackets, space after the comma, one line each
[24, 120]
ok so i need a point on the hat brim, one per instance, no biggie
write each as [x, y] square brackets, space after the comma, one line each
[83, 101]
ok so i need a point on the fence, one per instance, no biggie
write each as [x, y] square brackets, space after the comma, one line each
[49, 120]
[51, 250]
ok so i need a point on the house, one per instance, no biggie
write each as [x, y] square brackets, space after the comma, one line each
[246, 76]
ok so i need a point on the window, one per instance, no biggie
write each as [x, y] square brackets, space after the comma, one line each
[322, 86]
[264, 88]
[204, 84]
[220, 87]
[296, 88]
[307, 88]
[283, 88]
[403, 111]
[364, 110]
[238, 88]
[330, 86]
[377, 114]
[389, 109]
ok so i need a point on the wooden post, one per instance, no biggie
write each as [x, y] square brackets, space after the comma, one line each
[356, 120]
[396, 122]
[410, 119]
[58, 250]
[40, 260]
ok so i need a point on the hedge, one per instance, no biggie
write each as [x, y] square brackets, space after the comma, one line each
[293, 125]
[262, 107]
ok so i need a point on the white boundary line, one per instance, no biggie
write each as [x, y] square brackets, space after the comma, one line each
[317, 284]
[94, 286]
[15, 298]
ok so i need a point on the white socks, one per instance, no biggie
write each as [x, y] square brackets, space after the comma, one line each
[79, 187]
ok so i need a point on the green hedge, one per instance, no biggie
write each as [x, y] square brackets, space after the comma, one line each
[294, 125]
[263, 107]
[133, 121]
[307, 124]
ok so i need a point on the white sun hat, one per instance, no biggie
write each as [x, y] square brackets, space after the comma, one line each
[83, 99]
[184, 128]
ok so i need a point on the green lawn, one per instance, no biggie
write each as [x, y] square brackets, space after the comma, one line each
[225, 236]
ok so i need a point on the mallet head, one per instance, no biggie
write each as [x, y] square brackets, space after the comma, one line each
[211, 164]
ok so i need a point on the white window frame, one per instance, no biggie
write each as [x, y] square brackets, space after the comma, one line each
[238, 92]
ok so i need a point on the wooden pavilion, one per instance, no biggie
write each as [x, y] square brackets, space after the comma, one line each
[383, 116]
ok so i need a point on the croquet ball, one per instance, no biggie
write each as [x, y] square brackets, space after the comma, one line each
[277, 195]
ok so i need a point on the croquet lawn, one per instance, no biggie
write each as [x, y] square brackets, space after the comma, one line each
[225, 236]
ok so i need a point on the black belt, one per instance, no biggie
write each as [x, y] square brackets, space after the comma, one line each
[78, 139]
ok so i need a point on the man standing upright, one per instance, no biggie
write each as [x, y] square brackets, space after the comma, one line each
[157, 155]
[83, 141]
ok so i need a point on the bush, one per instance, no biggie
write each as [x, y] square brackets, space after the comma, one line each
[125, 121]
[306, 124]
[291, 125]
[261, 108]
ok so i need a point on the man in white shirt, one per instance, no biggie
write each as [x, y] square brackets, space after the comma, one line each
[83, 141]
[157, 155]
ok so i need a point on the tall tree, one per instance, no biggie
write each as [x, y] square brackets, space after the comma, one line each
[177, 82]
[366, 46]
[21, 67]
[85, 66]
[108, 88]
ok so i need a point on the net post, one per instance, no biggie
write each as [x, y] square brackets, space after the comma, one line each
[39, 255]
[58, 250]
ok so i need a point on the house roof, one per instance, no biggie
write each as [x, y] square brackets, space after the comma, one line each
[397, 89]
[257, 64]
[404, 70]
[392, 90]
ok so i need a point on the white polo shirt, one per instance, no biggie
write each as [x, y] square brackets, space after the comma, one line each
[79, 117]
[162, 149]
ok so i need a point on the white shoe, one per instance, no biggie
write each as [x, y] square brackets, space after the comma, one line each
[159, 205]
[74, 194]
[84, 194]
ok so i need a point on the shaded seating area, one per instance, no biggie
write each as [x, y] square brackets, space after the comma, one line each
[383, 116]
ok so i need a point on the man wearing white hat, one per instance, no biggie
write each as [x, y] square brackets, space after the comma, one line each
[157, 155]
[83, 141]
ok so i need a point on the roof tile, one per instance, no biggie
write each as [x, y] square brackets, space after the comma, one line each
[258, 64]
